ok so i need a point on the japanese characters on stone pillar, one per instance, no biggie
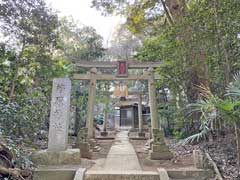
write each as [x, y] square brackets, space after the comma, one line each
[59, 117]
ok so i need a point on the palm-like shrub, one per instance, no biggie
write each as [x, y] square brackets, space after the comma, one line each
[211, 107]
[207, 108]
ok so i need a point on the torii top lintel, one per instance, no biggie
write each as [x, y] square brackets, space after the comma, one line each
[114, 64]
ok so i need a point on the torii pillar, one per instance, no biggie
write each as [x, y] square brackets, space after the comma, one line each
[152, 99]
[159, 150]
[140, 118]
[91, 102]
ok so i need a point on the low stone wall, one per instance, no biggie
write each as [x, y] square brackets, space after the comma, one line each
[64, 173]
[120, 175]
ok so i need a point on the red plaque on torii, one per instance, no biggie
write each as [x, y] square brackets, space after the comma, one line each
[122, 68]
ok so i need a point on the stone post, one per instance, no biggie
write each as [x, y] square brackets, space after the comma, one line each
[198, 159]
[140, 118]
[104, 132]
[82, 143]
[59, 117]
[159, 150]
[152, 99]
[58, 152]
[91, 102]
[105, 121]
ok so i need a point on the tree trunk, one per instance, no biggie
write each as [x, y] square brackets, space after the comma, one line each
[197, 74]
[226, 65]
[170, 20]
[12, 90]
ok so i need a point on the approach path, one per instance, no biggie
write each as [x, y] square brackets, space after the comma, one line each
[122, 156]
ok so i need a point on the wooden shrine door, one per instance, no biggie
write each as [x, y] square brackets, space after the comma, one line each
[126, 117]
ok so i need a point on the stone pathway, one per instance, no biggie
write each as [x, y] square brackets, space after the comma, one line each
[122, 156]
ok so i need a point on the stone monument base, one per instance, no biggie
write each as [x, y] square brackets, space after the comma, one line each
[160, 152]
[46, 157]
[160, 155]
[159, 148]
[86, 152]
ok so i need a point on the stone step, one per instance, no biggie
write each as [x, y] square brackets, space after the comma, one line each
[174, 174]
[182, 179]
[69, 172]
[121, 175]
[55, 173]
[190, 173]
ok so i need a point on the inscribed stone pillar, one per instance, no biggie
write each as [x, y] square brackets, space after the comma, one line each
[59, 117]
[91, 102]
[152, 99]
[140, 118]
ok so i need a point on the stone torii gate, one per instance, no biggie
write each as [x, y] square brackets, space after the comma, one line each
[158, 148]
[93, 76]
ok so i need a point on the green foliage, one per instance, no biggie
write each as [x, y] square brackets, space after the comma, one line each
[36, 48]
[79, 42]
[212, 107]
[80, 100]
[142, 16]
[21, 157]
[204, 130]
[99, 119]
[26, 22]
[25, 117]
[178, 134]
[233, 89]
[28, 67]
